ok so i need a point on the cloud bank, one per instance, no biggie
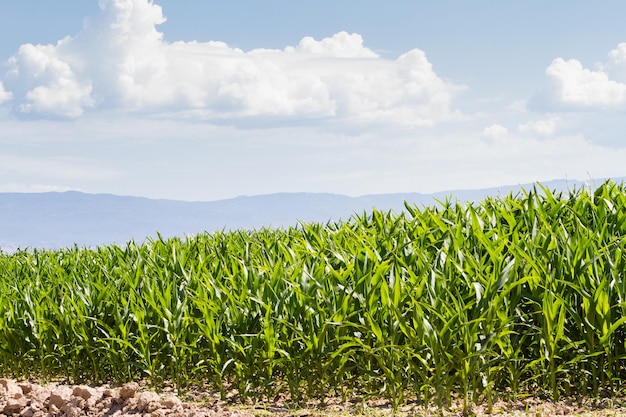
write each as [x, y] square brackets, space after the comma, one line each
[120, 60]
[570, 86]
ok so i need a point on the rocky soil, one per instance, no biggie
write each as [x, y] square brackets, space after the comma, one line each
[26, 399]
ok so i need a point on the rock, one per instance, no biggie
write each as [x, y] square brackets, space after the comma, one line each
[15, 405]
[129, 390]
[36, 406]
[130, 405]
[78, 402]
[27, 412]
[72, 411]
[26, 387]
[60, 396]
[53, 410]
[39, 394]
[105, 402]
[148, 402]
[10, 389]
[172, 402]
[84, 392]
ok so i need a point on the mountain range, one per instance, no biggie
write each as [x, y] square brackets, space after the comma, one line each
[55, 220]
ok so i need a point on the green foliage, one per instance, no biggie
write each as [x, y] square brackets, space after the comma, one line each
[515, 294]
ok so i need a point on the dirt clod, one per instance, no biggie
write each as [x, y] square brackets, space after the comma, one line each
[60, 396]
[10, 388]
[14, 405]
[129, 390]
[33, 400]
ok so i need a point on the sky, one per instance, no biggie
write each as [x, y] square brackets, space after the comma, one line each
[206, 100]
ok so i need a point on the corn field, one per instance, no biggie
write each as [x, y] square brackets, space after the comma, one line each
[517, 294]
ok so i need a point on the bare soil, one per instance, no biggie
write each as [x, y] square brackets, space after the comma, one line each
[29, 399]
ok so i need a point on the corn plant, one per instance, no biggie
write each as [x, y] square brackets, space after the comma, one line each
[455, 301]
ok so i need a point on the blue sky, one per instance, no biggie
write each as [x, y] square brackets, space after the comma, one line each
[208, 100]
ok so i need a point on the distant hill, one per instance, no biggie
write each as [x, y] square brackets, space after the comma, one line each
[55, 220]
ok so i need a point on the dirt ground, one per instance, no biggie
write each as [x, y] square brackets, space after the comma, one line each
[28, 399]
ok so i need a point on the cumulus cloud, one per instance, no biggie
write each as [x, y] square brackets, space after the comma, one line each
[120, 60]
[341, 45]
[570, 86]
[495, 131]
[616, 65]
[55, 88]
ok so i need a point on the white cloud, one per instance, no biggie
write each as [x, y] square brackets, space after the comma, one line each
[616, 66]
[570, 86]
[120, 60]
[495, 131]
[340, 45]
[573, 86]
[544, 127]
[4, 95]
[52, 85]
